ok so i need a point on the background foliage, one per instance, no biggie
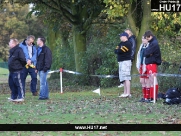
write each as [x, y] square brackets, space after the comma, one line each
[14, 24]
[101, 39]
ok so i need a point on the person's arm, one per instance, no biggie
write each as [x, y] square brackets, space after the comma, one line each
[25, 51]
[122, 49]
[34, 56]
[21, 57]
[48, 60]
[150, 50]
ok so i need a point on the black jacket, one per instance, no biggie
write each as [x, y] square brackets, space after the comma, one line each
[44, 59]
[123, 51]
[16, 60]
[132, 39]
[152, 53]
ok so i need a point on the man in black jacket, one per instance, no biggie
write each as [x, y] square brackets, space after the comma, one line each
[16, 62]
[132, 39]
[123, 51]
[152, 60]
[43, 65]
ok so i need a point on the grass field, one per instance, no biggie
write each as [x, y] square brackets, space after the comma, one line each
[86, 107]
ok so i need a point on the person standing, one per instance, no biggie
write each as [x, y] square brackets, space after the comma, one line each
[16, 62]
[123, 51]
[30, 52]
[152, 56]
[132, 39]
[44, 61]
[141, 66]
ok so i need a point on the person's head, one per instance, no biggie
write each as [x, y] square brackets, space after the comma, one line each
[144, 40]
[148, 35]
[30, 39]
[13, 42]
[128, 31]
[124, 36]
[41, 41]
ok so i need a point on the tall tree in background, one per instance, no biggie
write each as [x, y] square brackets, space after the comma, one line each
[137, 13]
[14, 24]
[58, 28]
[80, 14]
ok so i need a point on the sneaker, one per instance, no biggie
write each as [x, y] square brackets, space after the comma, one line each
[148, 101]
[122, 95]
[152, 101]
[125, 95]
[35, 93]
[10, 99]
[142, 100]
[121, 85]
[18, 100]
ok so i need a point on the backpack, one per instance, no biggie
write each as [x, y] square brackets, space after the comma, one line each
[172, 96]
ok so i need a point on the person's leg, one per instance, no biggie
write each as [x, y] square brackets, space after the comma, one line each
[152, 68]
[127, 86]
[19, 85]
[126, 72]
[12, 87]
[43, 85]
[25, 73]
[33, 84]
[143, 85]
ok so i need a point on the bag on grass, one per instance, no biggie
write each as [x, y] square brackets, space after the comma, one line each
[172, 96]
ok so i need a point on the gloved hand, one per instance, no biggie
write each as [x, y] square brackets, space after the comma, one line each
[180, 68]
[27, 66]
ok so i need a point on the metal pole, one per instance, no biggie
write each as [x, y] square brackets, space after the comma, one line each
[61, 90]
[154, 88]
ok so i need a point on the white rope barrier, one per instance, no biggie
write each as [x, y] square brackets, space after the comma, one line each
[112, 76]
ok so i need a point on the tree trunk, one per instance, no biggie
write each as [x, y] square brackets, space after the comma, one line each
[51, 38]
[145, 25]
[79, 42]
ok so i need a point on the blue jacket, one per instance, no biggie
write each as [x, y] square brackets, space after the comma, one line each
[25, 50]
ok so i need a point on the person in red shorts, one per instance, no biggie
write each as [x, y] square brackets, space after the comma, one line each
[152, 56]
[140, 64]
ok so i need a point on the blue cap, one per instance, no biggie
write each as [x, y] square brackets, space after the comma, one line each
[124, 34]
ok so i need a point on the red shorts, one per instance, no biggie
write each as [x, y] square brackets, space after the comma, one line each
[151, 68]
[141, 69]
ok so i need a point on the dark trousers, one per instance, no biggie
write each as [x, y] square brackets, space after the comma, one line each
[16, 85]
[33, 75]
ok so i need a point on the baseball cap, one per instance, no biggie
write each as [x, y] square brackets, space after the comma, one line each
[124, 34]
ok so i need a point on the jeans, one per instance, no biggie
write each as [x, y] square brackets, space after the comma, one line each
[15, 84]
[33, 75]
[44, 91]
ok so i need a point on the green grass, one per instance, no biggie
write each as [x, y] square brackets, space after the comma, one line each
[3, 71]
[86, 107]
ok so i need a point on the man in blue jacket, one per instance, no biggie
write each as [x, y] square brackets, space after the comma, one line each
[30, 52]
[16, 62]
[43, 65]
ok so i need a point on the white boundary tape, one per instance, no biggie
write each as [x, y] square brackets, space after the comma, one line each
[111, 76]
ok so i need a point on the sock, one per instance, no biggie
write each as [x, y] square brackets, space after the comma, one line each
[144, 92]
[156, 87]
[147, 93]
[151, 92]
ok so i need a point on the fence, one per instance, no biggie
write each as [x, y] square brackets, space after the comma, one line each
[3, 64]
